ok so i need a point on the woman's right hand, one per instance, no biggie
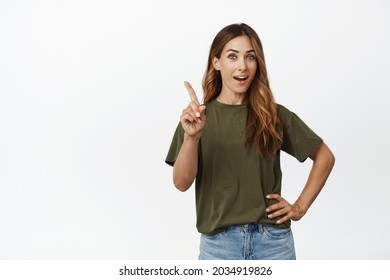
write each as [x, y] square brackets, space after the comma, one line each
[193, 118]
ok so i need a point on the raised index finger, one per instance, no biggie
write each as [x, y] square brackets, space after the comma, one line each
[191, 92]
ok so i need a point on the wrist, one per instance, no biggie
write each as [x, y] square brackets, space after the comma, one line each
[300, 207]
[191, 139]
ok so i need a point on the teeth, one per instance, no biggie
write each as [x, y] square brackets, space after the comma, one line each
[241, 78]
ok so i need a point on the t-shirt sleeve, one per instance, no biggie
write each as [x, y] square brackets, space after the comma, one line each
[298, 139]
[177, 141]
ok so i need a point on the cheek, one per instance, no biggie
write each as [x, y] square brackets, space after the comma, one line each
[226, 70]
[253, 74]
[253, 71]
[253, 67]
[224, 75]
[226, 65]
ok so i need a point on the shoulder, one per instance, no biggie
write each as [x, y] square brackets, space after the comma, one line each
[284, 114]
[281, 108]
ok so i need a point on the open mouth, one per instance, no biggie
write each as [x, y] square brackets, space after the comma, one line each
[240, 78]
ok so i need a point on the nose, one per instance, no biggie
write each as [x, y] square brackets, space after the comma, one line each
[242, 64]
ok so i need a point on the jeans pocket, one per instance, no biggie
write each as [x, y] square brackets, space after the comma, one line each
[277, 233]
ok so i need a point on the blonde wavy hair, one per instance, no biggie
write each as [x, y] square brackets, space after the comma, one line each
[263, 127]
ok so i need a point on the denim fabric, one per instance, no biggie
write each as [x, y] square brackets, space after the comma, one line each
[248, 242]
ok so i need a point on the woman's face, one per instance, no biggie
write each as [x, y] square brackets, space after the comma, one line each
[237, 65]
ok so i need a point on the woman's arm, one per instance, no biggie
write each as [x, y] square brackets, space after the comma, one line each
[192, 120]
[323, 162]
[186, 164]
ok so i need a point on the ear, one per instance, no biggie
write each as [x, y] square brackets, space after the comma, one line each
[216, 64]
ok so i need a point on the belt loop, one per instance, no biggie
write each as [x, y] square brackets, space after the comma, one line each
[244, 228]
[261, 228]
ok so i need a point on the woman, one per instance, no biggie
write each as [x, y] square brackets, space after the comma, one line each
[234, 155]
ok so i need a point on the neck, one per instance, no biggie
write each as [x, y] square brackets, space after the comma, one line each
[233, 99]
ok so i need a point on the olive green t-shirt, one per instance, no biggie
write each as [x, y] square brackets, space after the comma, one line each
[232, 182]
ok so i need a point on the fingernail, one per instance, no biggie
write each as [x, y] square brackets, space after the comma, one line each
[278, 221]
[267, 210]
[197, 114]
[269, 216]
[268, 196]
[199, 121]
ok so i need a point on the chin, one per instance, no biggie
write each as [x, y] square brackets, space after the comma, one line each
[242, 90]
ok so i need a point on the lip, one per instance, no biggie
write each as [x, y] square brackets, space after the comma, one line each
[241, 76]
[241, 82]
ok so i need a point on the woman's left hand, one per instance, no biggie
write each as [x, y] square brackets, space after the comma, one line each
[283, 208]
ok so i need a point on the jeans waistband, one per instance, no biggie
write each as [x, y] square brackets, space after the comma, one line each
[248, 227]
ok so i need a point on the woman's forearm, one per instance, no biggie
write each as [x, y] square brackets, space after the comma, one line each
[323, 162]
[186, 164]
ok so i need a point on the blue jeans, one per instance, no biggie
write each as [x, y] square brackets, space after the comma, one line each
[248, 242]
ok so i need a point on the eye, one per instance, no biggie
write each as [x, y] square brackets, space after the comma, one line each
[251, 57]
[232, 56]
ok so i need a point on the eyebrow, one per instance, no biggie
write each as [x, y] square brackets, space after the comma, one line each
[232, 50]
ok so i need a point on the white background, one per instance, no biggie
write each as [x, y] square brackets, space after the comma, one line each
[91, 92]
